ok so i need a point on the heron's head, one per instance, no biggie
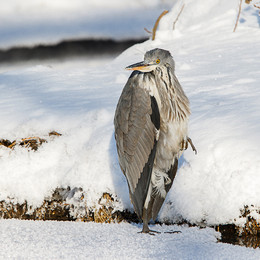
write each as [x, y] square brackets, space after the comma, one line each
[153, 59]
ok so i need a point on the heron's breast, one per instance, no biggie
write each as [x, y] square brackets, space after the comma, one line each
[169, 144]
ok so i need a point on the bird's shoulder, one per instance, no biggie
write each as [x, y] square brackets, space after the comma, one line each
[136, 102]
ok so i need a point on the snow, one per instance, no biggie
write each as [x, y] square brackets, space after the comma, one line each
[77, 240]
[224, 94]
[219, 71]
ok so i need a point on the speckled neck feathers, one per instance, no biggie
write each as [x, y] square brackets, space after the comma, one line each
[175, 105]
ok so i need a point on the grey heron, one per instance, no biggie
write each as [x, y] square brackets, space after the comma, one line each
[151, 131]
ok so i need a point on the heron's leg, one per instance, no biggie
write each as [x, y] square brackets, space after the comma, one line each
[145, 224]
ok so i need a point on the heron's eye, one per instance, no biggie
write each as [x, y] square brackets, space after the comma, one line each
[158, 61]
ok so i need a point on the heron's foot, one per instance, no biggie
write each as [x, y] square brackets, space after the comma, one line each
[185, 144]
[146, 230]
[150, 232]
[172, 232]
[192, 145]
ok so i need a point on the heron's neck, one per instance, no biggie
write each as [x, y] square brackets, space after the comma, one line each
[174, 102]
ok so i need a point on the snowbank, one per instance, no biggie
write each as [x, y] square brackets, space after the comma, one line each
[219, 71]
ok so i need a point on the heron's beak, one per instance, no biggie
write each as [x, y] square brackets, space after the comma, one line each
[142, 66]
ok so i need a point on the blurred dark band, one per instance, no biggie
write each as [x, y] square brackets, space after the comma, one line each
[67, 49]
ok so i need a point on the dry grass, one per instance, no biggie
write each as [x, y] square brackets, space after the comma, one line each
[248, 235]
[31, 143]
[58, 207]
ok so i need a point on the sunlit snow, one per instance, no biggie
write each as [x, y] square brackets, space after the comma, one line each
[219, 71]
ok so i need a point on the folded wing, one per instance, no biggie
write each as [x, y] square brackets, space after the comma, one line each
[137, 121]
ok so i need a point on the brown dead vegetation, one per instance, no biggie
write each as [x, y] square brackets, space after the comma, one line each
[31, 143]
[60, 207]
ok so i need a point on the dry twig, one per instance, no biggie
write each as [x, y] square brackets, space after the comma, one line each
[147, 30]
[173, 27]
[54, 133]
[157, 22]
[258, 7]
[238, 15]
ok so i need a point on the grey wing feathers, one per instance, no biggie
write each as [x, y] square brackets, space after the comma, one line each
[157, 201]
[135, 119]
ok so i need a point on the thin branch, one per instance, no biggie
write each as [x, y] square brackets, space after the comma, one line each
[147, 30]
[238, 15]
[256, 6]
[173, 27]
[157, 22]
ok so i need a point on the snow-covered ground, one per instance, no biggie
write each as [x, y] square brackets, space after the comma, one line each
[219, 71]
[77, 240]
